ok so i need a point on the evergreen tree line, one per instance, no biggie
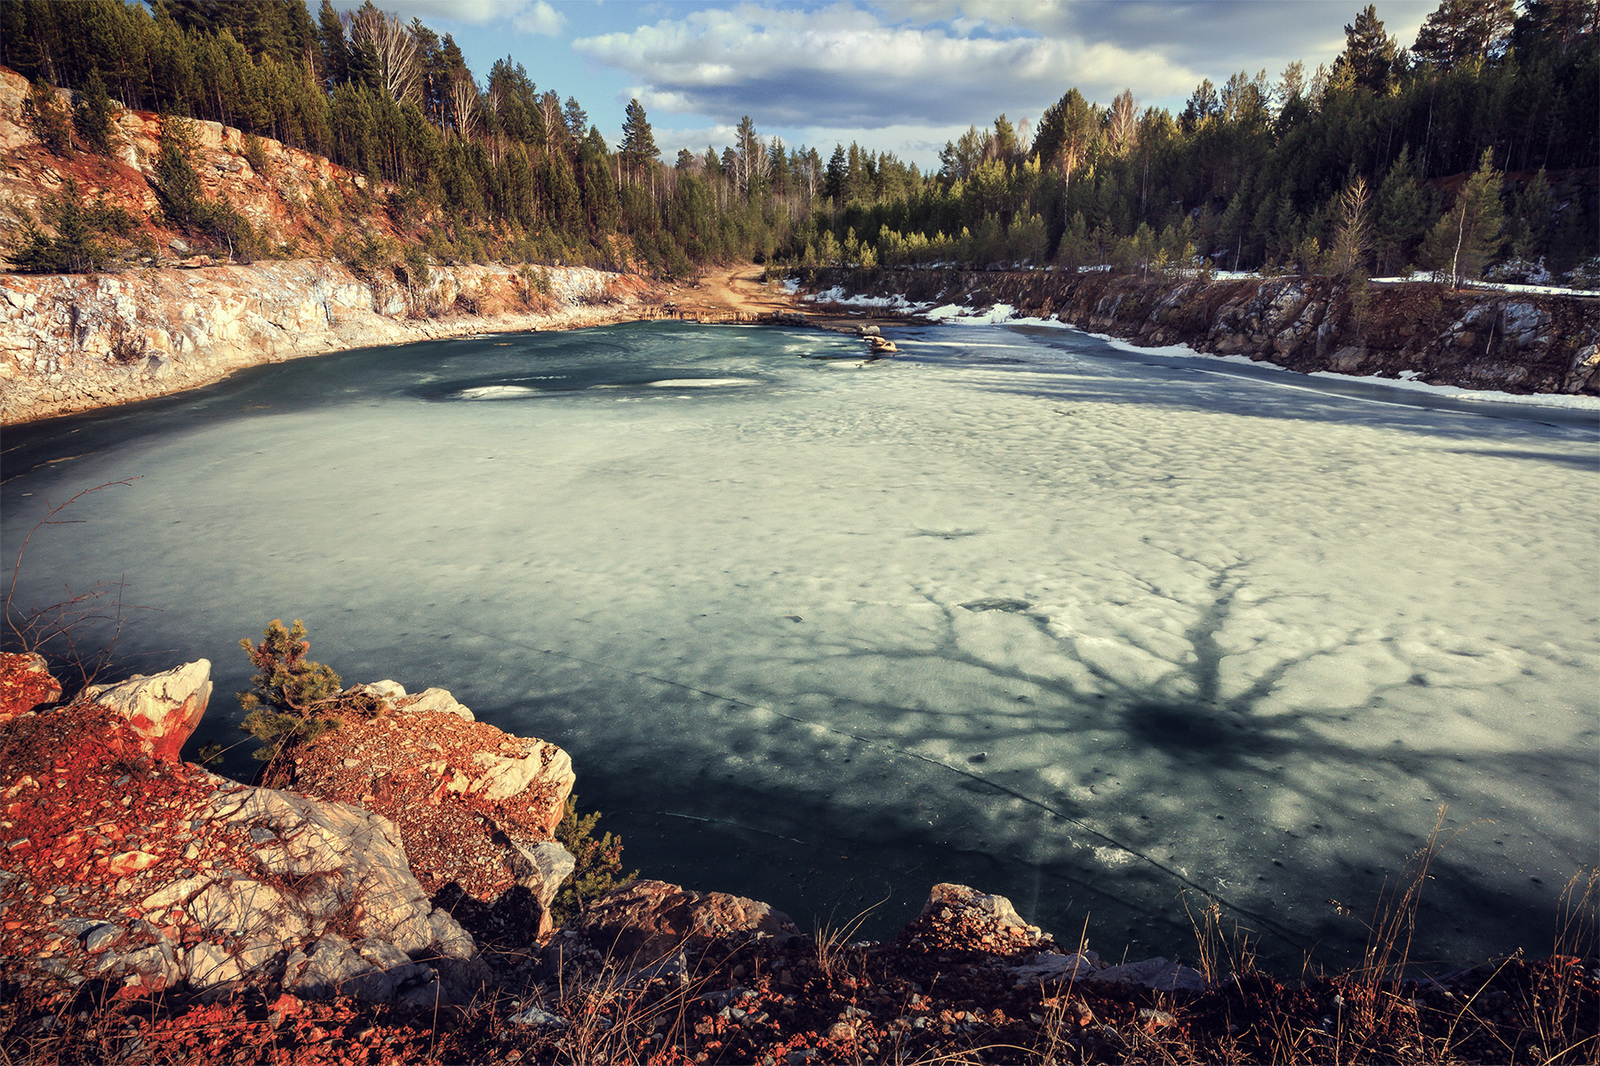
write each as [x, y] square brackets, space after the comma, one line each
[1373, 159]
[516, 173]
[1363, 165]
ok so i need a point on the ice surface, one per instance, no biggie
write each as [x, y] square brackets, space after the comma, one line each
[1086, 627]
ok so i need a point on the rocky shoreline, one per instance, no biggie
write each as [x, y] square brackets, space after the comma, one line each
[75, 343]
[125, 864]
[72, 343]
[393, 903]
[1475, 338]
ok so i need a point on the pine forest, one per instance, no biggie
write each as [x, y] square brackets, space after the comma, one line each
[1472, 151]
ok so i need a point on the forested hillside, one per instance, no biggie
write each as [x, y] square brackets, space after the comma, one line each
[1474, 149]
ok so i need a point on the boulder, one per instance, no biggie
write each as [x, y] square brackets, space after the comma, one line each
[1156, 973]
[1585, 373]
[958, 918]
[651, 920]
[25, 683]
[161, 710]
[126, 865]
[475, 807]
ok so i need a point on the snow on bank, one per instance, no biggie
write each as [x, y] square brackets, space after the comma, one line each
[1408, 380]
[837, 295]
[1493, 286]
[1005, 314]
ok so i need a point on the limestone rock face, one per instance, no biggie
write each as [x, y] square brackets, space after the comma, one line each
[475, 807]
[25, 683]
[651, 920]
[127, 865]
[347, 859]
[1475, 338]
[162, 710]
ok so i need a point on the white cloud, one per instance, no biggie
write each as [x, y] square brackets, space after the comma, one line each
[1216, 36]
[524, 16]
[844, 66]
[539, 18]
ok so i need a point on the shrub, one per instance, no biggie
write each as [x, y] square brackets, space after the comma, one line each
[598, 863]
[289, 693]
[73, 250]
[255, 153]
[48, 118]
[91, 116]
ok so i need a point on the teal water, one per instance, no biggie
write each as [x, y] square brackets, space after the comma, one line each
[1098, 631]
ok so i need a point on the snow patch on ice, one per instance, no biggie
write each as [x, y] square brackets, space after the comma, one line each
[700, 383]
[497, 392]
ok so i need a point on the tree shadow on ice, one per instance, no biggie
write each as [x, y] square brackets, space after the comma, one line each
[1245, 800]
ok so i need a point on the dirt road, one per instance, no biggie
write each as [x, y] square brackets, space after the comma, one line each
[737, 290]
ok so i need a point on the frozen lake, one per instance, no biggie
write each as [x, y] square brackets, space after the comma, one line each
[1097, 630]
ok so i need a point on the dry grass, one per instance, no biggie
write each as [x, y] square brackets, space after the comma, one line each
[822, 999]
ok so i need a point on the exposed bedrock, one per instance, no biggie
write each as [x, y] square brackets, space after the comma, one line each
[79, 342]
[1476, 338]
[126, 866]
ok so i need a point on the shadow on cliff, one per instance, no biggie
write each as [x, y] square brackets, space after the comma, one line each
[1209, 384]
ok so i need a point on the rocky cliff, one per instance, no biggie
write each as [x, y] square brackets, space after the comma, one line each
[167, 317]
[1476, 338]
[76, 342]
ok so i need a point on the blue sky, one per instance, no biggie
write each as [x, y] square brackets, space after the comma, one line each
[902, 76]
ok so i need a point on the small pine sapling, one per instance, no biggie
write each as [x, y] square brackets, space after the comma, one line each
[597, 865]
[288, 691]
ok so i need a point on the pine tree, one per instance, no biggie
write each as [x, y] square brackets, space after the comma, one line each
[335, 52]
[1532, 219]
[177, 184]
[577, 120]
[92, 116]
[1402, 214]
[1464, 29]
[750, 157]
[48, 118]
[73, 250]
[1555, 27]
[638, 140]
[834, 176]
[1201, 105]
[1369, 54]
[287, 691]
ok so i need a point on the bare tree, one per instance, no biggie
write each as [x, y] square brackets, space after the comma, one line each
[464, 103]
[1354, 238]
[1124, 122]
[394, 51]
[550, 112]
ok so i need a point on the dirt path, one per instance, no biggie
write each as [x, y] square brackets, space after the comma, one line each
[738, 290]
